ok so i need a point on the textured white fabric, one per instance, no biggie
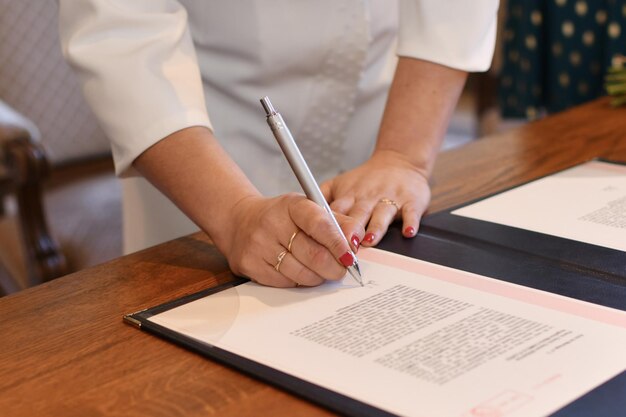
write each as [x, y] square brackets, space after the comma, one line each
[138, 69]
[38, 83]
[457, 33]
[326, 65]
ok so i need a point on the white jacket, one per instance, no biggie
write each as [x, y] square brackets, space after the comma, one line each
[151, 67]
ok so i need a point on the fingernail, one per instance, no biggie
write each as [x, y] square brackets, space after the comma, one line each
[369, 237]
[355, 241]
[409, 231]
[347, 259]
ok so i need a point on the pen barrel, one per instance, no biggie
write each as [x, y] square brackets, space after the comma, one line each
[296, 160]
[305, 177]
[298, 164]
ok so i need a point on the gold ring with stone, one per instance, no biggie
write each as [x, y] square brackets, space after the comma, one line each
[389, 202]
[291, 240]
[279, 260]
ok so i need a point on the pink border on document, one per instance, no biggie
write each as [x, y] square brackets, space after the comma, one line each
[529, 295]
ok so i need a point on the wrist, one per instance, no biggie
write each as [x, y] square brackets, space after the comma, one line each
[228, 224]
[415, 162]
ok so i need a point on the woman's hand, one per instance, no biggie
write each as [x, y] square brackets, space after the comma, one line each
[393, 183]
[289, 241]
[384, 188]
[283, 241]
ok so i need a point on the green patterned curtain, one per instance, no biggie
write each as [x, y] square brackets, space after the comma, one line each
[556, 53]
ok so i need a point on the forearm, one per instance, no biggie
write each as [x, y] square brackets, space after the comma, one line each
[421, 101]
[193, 170]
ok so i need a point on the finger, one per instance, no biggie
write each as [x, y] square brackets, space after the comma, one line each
[324, 238]
[362, 211]
[411, 216]
[262, 269]
[295, 271]
[382, 216]
[352, 229]
[342, 205]
[316, 258]
[287, 271]
[272, 278]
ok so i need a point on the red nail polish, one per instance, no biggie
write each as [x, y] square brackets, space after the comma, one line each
[347, 259]
[409, 231]
[355, 241]
[369, 237]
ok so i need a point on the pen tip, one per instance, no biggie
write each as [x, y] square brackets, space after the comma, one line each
[356, 273]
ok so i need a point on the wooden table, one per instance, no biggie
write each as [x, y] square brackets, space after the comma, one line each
[64, 350]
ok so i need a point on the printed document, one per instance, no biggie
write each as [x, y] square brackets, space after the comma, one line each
[586, 203]
[419, 339]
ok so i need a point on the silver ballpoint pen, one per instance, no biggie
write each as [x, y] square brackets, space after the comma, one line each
[300, 168]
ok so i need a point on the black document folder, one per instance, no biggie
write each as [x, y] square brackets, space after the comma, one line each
[603, 262]
[334, 401]
[561, 266]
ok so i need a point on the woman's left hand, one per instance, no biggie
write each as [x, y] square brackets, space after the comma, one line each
[384, 188]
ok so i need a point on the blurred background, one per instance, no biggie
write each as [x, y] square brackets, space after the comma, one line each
[60, 203]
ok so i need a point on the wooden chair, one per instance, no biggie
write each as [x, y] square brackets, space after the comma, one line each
[23, 167]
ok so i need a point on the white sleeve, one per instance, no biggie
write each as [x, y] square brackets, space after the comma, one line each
[138, 70]
[459, 34]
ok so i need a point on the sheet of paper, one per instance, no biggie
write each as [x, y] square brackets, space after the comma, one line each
[586, 203]
[419, 339]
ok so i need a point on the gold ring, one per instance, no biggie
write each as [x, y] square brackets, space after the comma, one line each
[280, 258]
[291, 240]
[389, 202]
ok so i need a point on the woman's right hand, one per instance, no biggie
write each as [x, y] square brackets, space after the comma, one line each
[194, 171]
[314, 250]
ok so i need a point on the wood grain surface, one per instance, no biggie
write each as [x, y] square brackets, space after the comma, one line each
[64, 350]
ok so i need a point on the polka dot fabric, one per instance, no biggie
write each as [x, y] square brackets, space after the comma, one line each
[556, 53]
